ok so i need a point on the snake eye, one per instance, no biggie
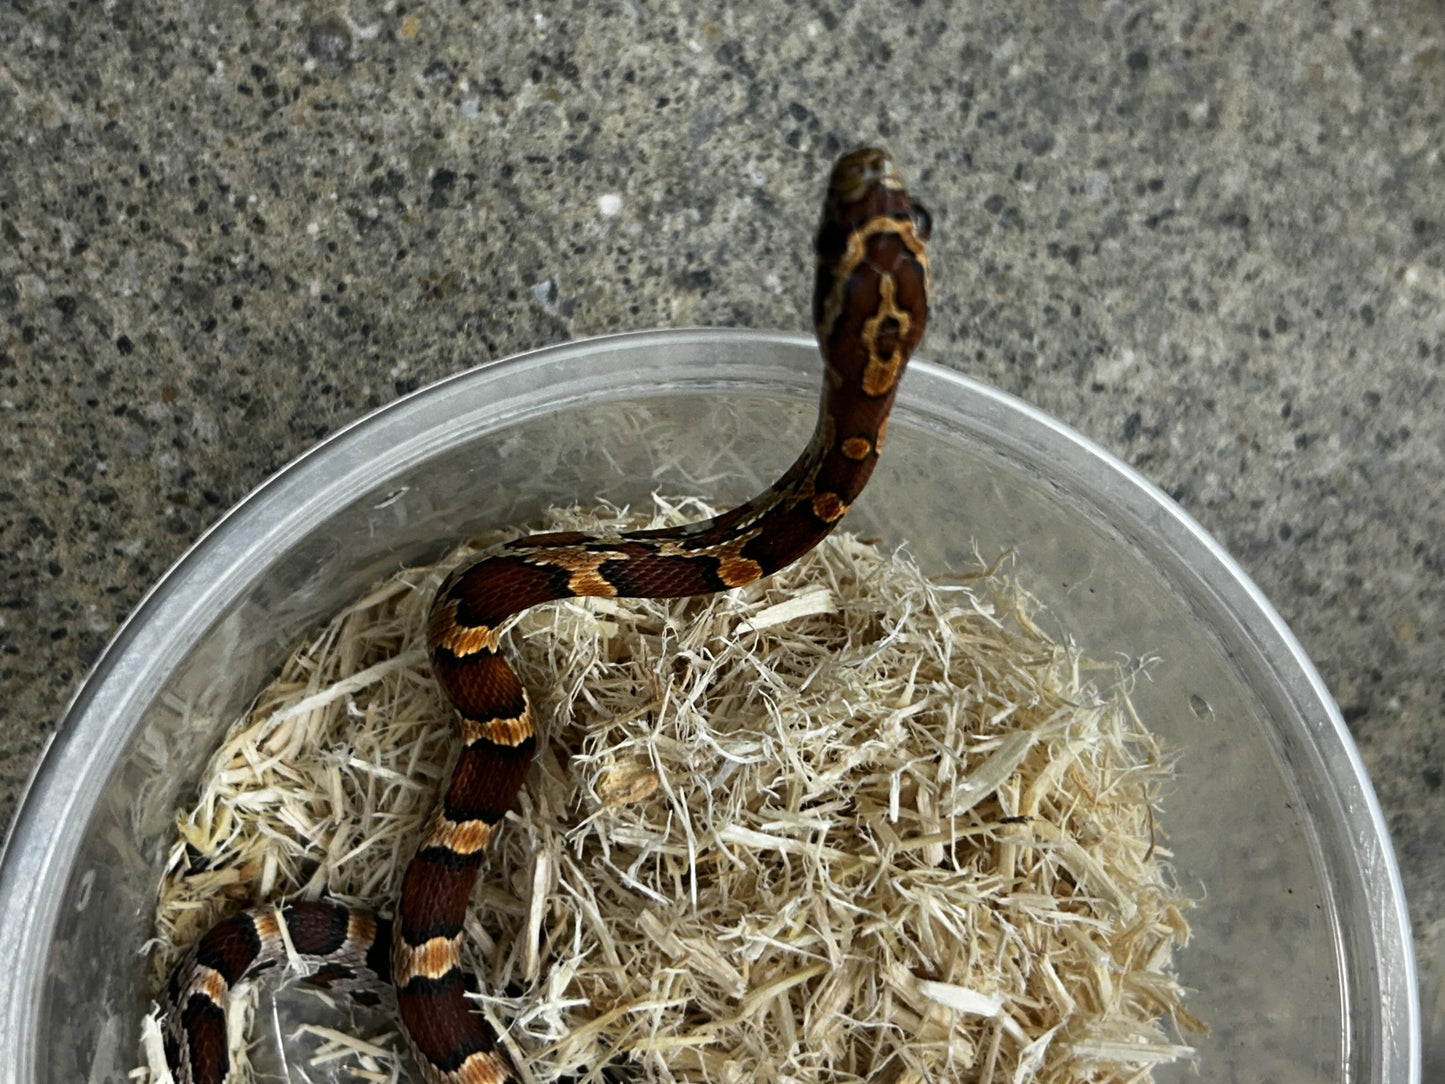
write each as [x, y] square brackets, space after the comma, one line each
[922, 221]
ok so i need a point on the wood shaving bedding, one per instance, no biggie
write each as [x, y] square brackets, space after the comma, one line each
[845, 824]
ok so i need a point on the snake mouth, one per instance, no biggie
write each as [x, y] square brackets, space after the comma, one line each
[859, 171]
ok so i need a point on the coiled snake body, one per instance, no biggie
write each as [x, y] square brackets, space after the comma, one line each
[870, 304]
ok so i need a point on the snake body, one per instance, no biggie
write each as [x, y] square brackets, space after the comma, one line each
[870, 304]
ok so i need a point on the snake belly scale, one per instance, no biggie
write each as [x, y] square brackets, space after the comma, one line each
[870, 304]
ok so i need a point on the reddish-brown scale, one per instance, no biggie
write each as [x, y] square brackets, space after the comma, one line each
[444, 1038]
[229, 948]
[660, 576]
[791, 532]
[500, 587]
[316, 929]
[485, 780]
[870, 305]
[482, 686]
[204, 1022]
[624, 548]
[434, 895]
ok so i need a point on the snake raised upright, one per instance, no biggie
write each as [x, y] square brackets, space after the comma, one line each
[870, 304]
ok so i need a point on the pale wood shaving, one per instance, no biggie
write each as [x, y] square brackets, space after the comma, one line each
[843, 825]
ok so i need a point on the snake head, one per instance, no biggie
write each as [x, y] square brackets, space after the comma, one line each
[865, 184]
[871, 295]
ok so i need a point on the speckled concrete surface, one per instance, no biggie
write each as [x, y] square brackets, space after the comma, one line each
[1209, 236]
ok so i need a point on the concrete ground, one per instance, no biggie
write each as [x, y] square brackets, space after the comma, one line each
[1211, 236]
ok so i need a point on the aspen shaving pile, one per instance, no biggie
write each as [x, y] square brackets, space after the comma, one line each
[846, 824]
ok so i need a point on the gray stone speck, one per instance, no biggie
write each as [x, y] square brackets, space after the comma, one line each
[204, 426]
[329, 39]
[1096, 186]
[546, 294]
[127, 275]
[136, 443]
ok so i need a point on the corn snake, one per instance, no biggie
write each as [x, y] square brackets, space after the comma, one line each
[869, 308]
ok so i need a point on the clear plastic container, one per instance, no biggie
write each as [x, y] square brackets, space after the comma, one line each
[1301, 957]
